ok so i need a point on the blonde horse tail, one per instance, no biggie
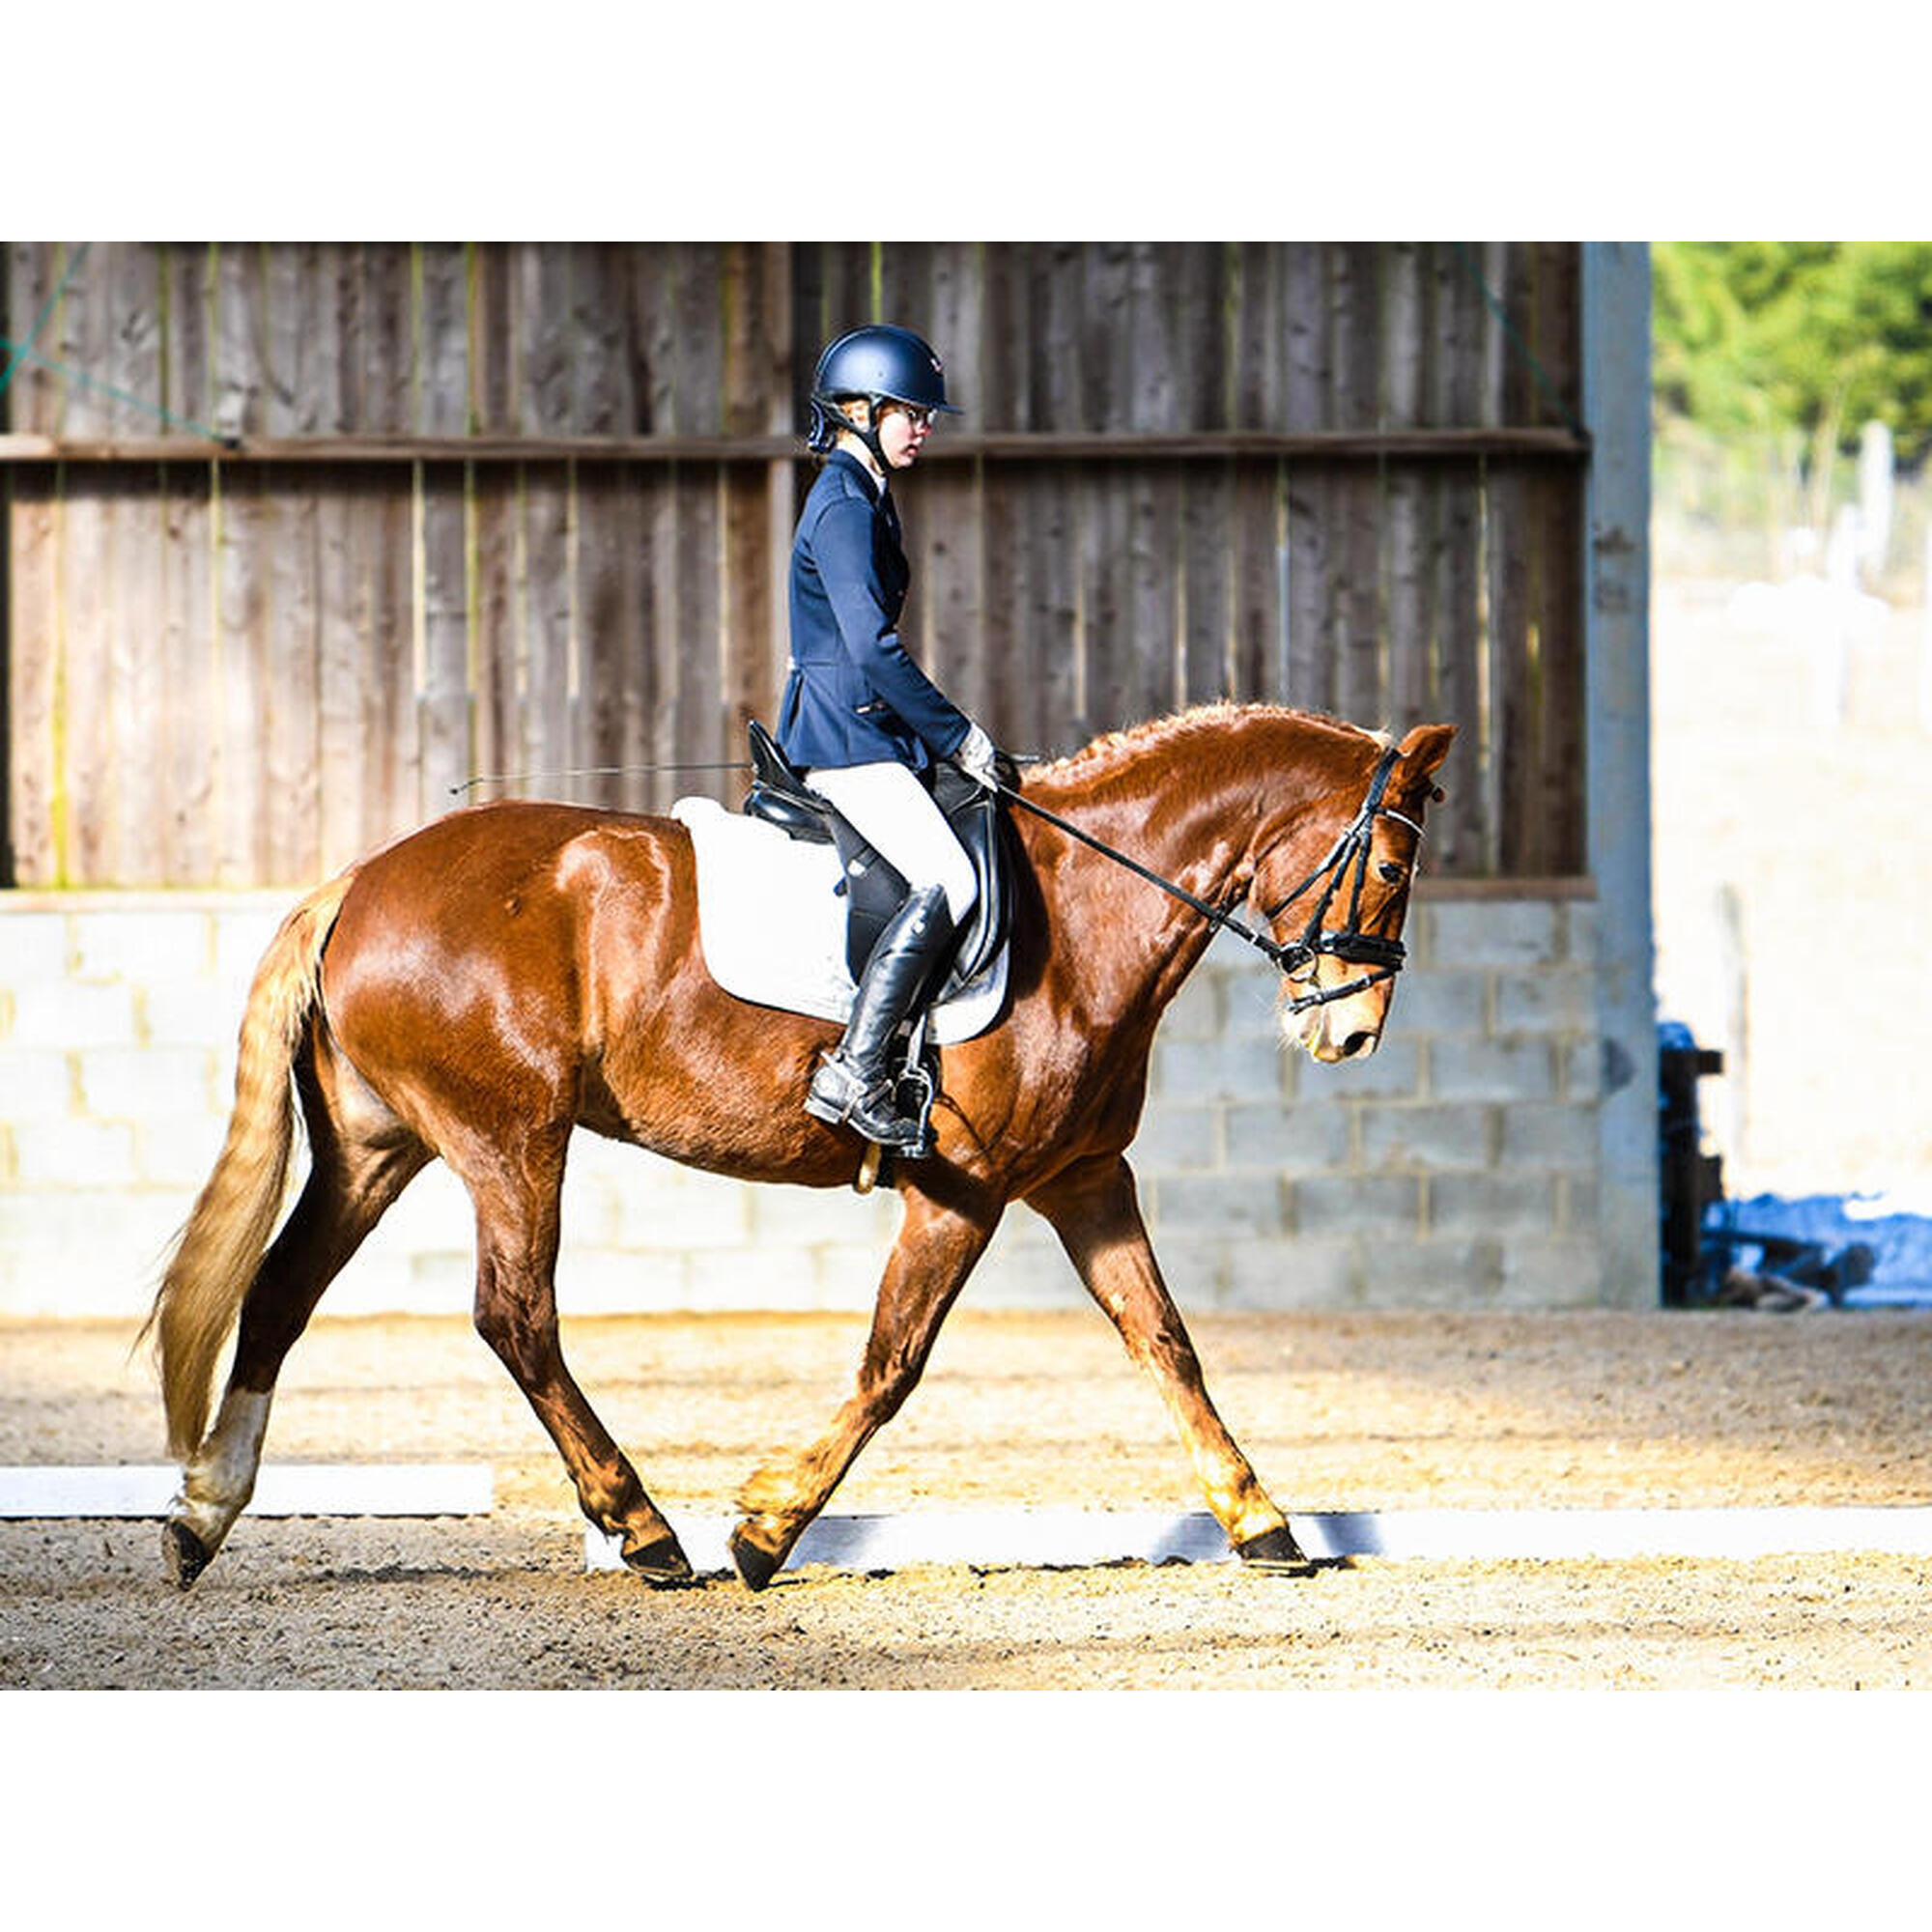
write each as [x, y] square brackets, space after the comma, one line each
[217, 1254]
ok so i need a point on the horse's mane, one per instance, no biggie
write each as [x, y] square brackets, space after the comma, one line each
[1194, 728]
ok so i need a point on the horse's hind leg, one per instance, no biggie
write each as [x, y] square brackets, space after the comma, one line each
[518, 1226]
[1095, 1212]
[350, 1184]
[935, 1252]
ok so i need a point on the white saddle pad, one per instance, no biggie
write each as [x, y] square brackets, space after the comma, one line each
[772, 925]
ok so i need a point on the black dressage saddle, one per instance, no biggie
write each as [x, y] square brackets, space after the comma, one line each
[874, 889]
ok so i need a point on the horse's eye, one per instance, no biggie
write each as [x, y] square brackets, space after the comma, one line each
[1390, 870]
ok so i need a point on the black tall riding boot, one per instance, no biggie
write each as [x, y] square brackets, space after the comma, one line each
[853, 1086]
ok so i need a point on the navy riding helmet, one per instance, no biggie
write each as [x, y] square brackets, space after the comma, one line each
[880, 363]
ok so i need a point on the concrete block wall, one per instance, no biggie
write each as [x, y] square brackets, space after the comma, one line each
[1458, 1167]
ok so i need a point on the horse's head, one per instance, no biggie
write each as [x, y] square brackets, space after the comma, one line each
[1335, 893]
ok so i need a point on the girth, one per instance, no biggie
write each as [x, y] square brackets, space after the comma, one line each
[874, 888]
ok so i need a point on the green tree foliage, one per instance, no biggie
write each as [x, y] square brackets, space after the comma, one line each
[1818, 338]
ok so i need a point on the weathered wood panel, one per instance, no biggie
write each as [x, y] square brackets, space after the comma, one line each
[249, 671]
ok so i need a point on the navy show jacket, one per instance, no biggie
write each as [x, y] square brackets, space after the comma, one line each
[853, 696]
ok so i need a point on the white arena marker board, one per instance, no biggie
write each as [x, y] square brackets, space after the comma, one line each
[282, 1489]
[1073, 1538]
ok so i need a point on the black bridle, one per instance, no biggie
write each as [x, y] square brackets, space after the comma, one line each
[1350, 852]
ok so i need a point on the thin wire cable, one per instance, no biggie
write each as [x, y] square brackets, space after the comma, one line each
[1510, 334]
[23, 353]
[19, 353]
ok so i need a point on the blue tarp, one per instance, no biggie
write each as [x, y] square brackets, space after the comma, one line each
[1900, 1241]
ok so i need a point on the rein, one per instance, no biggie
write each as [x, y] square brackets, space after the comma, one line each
[1350, 943]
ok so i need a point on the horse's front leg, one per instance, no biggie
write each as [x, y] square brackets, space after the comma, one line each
[936, 1249]
[1094, 1210]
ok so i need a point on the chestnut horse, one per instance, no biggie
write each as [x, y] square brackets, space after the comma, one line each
[479, 989]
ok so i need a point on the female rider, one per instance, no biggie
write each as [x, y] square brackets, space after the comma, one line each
[861, 720]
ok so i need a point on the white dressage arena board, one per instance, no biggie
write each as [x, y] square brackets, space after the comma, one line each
[1071, 1537]
[282, 1489]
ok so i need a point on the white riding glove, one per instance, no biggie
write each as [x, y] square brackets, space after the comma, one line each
[976, 756]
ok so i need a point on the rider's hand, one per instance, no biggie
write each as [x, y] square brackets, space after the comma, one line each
[979, 757]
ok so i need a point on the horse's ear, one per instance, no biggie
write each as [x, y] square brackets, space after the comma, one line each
[1423, 750]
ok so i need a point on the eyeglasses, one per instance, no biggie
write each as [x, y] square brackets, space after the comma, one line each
[919, 415]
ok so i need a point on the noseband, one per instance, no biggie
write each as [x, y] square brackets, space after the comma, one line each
[1351, 944]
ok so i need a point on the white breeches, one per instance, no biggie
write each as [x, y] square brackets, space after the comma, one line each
[894, 811]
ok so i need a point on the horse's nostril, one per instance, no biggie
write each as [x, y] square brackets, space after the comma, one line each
[1355, 1043]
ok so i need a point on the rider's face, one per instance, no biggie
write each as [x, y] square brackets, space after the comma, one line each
[902, 433]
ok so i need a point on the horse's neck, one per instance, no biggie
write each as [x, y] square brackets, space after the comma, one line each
[1198, 822]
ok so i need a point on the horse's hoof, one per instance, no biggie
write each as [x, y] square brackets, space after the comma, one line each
[757, 1567]
[1276, 1553]
[662, 1563]
[184, 1553]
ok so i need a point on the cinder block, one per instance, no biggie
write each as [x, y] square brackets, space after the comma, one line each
[1303, 1137]
[177, 1150]
[149, 944]
[1025, 1276]
[848, 1274]
[1553, 1135]
[36, 1085]
[1472, 1204]
[384, 1283]
[600, 1281]
[1199, 1072]
[192, 1013]
[1234, 1206]
[664, 1206]
[757, 1277]
[1445, 1273]
[76, 1154]
[1579, 1194]
[243, 934]
[1175, 1139]
[1493, 932]
[1551, 1273]
[1562, 1000]
[1392, 1071]
[1333, 1205]
[63, 1014]
[33, 946]
[1429, 1139]
[1583, 1068]
[119, 1083]
[82, 1252]
[1462, 1069]
[1583, 926]
[1252, 1008]
[1301, 1273]
[1441, 999]
[1194, 1012]
[780, 1216]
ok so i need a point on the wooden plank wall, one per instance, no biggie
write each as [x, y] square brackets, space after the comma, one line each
[243, 673]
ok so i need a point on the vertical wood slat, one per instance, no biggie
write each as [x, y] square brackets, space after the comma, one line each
[749, 645]
[183, 770]
[385, 541]
[495, 510]
[33, 630]
[1459, 324]
[88, 648]
[343, 519]
[691, 639]
[602, 397]
[1407, 494]
[241, 397]
[1307, 676]
[442, 409]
